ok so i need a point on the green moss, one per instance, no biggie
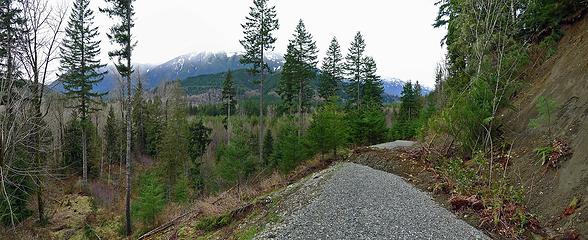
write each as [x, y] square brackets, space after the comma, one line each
[214, 223]
[248, 234]
[273, 217]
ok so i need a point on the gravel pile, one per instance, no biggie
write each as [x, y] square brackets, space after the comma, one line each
[358, 202]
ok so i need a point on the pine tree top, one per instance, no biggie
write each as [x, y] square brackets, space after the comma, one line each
[258, 31]
[80, 64]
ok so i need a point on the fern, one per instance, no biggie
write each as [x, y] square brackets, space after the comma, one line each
[543, 153]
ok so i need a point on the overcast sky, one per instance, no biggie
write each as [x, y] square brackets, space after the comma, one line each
[398, 33]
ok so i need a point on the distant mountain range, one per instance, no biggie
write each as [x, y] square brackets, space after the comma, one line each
[203, 73]
[180, 68]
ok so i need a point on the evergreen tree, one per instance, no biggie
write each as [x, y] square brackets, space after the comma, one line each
[373, 87]
[80, 67]
[228, 98]
[302, 54]
[408, 107]
[287, 87]
[139, 115]
[74, 144]
[122, 11]
[409, 118]
[151, 199]
[420, 101]
[258, 30]
[328, 130]
[289, 148]
[112, 140]
[354, 69]
[174, 151]
[268, 146]
[198, 142]
[368, 125]
[236, 160]
[154, 126]
[13, 153]
[11, 29]
[332, 72]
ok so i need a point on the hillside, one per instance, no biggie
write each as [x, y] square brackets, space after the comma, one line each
[563, 78]
[244, 82]
[207, 88]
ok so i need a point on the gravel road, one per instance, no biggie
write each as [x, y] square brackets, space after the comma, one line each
[395, 144]
[358, 202]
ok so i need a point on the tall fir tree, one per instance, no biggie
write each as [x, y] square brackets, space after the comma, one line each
[302, 54]
[420, 101]
[332, 72]
[198, 142]
[154, 125]
[258, 38]
[112, 139]
[373, 87]
[80, 67]
[173, 151]
[139, 115]
[287, 87]
[11, 29]
[122, 11]
[353, 68]
[229, 102]
[408, 104]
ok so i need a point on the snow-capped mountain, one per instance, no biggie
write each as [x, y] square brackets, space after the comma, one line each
[393, 87]
[202, 63]
[180, 68]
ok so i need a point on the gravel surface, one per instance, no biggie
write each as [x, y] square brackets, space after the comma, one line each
[395, 144]
[358, 202]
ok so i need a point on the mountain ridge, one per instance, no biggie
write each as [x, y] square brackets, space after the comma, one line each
[179, 68]
[210, 66]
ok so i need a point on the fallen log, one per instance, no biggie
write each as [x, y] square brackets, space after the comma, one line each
[167, 225]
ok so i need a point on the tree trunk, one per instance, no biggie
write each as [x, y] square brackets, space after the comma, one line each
[97, 120]
[129, 125]
[229, 122]
[128, 162]
[261, 110]
[84, 156]
[300, 120]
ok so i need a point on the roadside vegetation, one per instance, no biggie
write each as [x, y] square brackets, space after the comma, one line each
[137, 162]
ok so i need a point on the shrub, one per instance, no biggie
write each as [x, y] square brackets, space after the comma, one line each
[236, 160]
[213, 223]
[289, 149]
[328, 129]
[268, 147]
[151, 199]
[368, 125]
[181, 190]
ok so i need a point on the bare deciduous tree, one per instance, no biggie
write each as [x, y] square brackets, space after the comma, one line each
[39, 44]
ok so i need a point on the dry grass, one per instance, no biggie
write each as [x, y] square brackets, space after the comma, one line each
[229, 202]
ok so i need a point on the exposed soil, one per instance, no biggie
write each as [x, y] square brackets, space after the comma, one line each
[563, 78]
